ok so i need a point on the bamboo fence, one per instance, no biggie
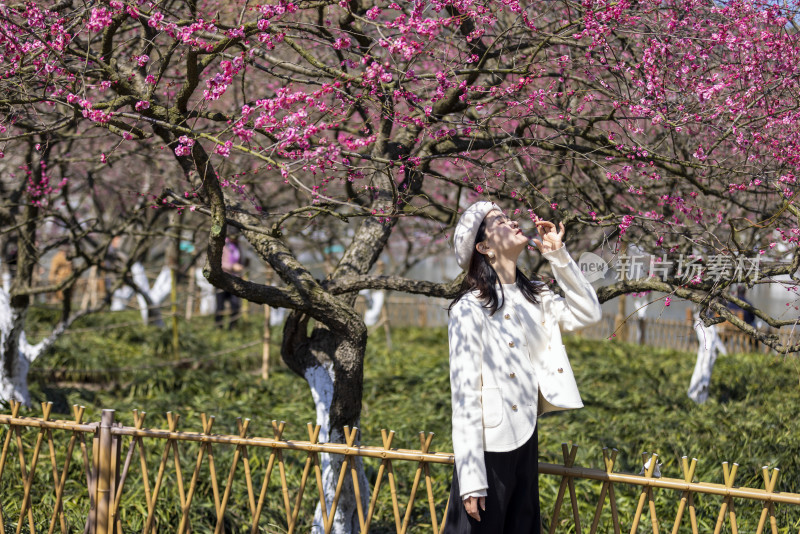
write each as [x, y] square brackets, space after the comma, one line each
[116, 453]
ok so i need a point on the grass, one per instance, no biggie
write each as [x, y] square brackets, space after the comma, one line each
[635, 401]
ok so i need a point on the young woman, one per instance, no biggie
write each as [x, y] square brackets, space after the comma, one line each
[507, 365]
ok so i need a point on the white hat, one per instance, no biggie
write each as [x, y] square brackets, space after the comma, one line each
[467, 229]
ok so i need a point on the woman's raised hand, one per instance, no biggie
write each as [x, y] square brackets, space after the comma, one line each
[550, 239]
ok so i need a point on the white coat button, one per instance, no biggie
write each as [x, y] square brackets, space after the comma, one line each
[512, 375]
[514, 407]
[510, 343]
[507, 316]
[560, 370]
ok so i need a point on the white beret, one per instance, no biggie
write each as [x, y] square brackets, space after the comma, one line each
[467, 229]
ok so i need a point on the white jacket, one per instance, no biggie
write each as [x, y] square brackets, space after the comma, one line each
[500, 363]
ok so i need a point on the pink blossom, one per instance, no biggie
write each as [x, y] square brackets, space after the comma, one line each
[224, 150]
[625, 224]
[155, 19]
[142, 104]
[99, 19]
[342, 42]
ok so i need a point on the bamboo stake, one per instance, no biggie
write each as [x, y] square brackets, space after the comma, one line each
[223, 505]
[393, 491]
[569, 459]
[608, 460]
[14, 412]
[644, 494]
[251, 500]
[688, 475]
[212, 471]
[729, 475]
[387, 443]
[151, 507]
[303, 481]
[278, 431]
[126, 467]
[207, 424]
[424, 445]
[78, 413]
[28, 481]
[769, 508]
[349, 438]
[313, 436]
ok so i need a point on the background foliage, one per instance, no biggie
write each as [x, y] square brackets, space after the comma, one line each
[634, 396]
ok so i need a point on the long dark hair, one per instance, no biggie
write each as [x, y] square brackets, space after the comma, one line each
[482, 276]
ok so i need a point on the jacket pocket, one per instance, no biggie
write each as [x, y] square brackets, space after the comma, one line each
[492, 406]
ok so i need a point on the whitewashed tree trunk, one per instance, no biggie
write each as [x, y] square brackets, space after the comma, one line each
[17, 354]
[320, 380]
[277, 316]
[208, 302]
[374, 301]
[709, 345]
[147, 297]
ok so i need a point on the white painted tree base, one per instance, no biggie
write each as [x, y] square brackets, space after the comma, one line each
[208, 302]
[710, 345]
[156, 294]
[374, 301]
[14, 367]
[320, 379]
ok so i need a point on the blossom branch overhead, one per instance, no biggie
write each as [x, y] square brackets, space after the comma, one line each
[674, 124]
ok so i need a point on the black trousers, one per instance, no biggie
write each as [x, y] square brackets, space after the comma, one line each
[512, 501]
[236, 306]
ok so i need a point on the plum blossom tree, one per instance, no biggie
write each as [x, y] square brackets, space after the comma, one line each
[669, 123]
[42, 210]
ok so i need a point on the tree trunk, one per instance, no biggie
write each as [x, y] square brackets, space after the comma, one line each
[709, 345]
[14, 364]
[332, 364]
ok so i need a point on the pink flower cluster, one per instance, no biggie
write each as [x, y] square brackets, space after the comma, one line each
[218, 84]
[99, 19]
[184, 147]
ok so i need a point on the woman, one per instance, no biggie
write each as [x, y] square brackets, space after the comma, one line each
[507, 364]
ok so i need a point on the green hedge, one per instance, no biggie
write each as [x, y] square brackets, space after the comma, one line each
[635, 401]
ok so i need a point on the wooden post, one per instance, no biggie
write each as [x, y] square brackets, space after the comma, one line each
[266, 335]
[105, 479]
[385, 320]
[190, 297]
[642, 331]
[244, 312]
[90, 294]
[173, 297]
[174, 264]
[619, 320]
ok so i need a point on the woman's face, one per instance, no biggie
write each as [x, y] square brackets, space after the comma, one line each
[503, 235]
